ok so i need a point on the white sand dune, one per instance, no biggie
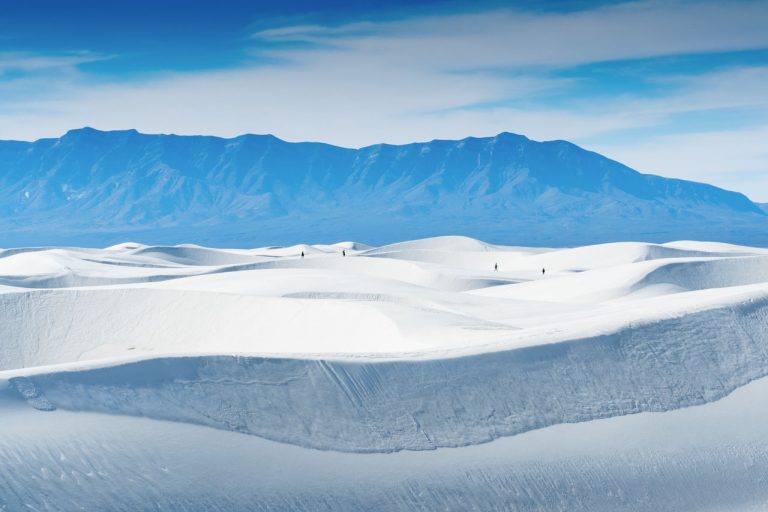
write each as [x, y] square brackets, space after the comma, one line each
[670, 462]
[409, 356]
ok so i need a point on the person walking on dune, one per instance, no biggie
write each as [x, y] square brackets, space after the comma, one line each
[543, 271]
[495, 267]
[343, 252]
[302, 254]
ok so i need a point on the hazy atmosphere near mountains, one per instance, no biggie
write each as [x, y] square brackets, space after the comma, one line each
[302, 255]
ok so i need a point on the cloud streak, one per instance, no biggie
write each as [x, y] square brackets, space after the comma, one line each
[507, 38]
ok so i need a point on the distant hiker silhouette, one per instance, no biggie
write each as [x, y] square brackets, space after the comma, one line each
[496, 267]
[543, 271]
[343, 252]
[302, 254]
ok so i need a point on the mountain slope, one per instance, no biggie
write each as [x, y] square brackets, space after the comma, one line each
[98, 188]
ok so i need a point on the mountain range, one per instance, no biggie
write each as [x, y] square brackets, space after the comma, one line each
[96, 188]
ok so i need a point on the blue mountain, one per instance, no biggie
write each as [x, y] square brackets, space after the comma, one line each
[92, 187]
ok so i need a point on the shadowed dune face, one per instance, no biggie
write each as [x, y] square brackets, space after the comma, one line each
[712, 457]
[384, 406]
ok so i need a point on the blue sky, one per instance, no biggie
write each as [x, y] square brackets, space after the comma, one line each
[678, 88]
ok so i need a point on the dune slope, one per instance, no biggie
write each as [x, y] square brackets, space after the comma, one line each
[436, 346]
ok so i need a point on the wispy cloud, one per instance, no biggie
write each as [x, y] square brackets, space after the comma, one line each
[318, 33]
[736, 158]
[508, 38]
[26, 62]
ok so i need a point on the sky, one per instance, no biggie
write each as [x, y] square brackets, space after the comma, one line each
[674, 87]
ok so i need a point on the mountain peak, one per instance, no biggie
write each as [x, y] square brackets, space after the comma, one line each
[88, 131]
[509, 136]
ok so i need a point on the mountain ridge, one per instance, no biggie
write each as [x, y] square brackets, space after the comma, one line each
[102, 187]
